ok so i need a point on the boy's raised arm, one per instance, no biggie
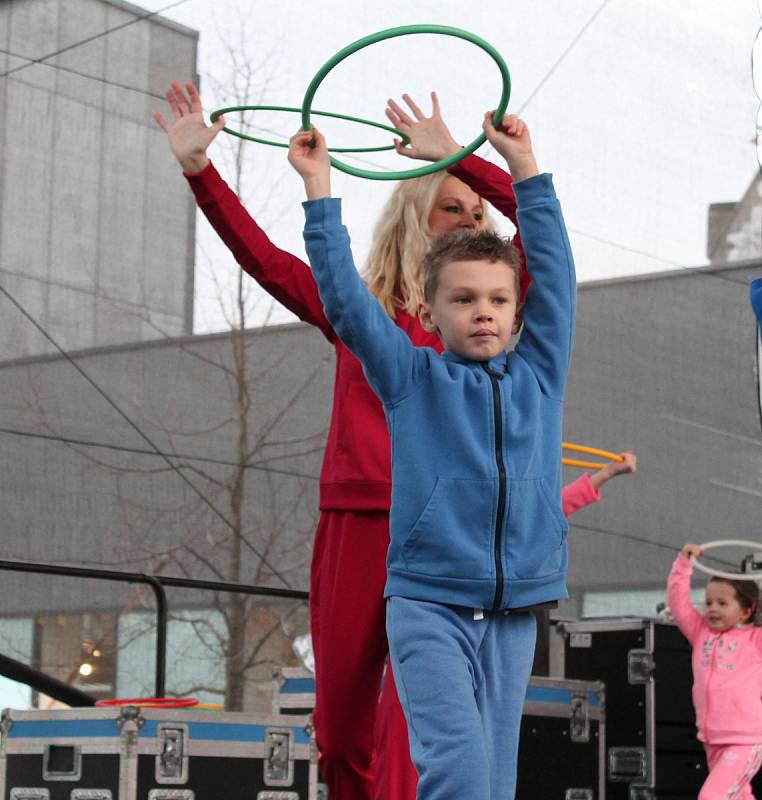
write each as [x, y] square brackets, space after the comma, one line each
[390, 360]
[546, 340]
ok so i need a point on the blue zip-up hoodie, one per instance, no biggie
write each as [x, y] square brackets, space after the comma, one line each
[476, 446]
[755, 295]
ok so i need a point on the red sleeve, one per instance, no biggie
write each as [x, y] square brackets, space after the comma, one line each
[284, 276]
[496, 186]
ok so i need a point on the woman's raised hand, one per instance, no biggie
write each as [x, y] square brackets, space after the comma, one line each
[189, 136]
[429, 137]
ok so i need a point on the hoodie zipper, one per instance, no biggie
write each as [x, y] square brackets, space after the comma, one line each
[498, 410]
[708, 679]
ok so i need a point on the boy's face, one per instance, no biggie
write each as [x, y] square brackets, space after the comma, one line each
[474, 308]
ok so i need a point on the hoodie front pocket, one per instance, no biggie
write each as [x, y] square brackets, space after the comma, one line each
[535, 545]
[452, 538]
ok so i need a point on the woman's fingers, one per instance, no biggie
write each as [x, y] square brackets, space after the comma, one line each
[162, 123]
[401, 114]
[417, 113]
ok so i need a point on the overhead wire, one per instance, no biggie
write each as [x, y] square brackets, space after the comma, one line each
[89, 39]
[88, 76]
[69, 440]
[640, 540]
[699, 270]
[111, 402]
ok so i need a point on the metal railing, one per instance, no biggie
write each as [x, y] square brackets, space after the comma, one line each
[55, 688]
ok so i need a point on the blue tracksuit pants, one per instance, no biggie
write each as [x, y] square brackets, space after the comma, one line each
[462, 683]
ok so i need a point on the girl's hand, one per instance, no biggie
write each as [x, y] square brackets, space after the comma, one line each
[430, 140]
[691, 551]
[189, 136]
[312, 162]
[511, 140]
[627, 465]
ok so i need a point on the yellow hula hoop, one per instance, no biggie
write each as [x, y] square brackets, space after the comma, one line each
[592, 451]
[572, 462]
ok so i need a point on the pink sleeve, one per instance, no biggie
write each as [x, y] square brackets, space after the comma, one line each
[578, 494]
[687, 618]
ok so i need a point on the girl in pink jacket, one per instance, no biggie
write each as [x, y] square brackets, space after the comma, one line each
[727, 675]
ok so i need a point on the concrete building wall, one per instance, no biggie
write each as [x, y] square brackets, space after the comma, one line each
[665, 365]
[96, 233]
[734, 230]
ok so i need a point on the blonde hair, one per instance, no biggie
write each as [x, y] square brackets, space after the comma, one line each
[401, 239]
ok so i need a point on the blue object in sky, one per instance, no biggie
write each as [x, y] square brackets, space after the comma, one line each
[755, 293]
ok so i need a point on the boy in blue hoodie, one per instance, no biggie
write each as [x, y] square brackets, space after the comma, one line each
[477, 533]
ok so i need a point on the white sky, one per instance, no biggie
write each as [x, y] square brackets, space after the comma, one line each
[644, 110]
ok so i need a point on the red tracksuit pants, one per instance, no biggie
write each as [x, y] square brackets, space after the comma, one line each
[361, 732]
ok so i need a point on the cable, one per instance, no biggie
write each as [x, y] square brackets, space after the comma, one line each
[89, 39]
[558, 61]
[142, 435]
[144, 452]
[633, 538]
[89, 77]
[702, 270]
[563, 55]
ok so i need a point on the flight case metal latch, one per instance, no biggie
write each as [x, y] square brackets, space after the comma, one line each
[640, 666]
[279, 757]
[172, 758]
[627, 764]
[579, 721]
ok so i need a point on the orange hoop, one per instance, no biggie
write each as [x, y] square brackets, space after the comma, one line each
[572, 462]
[593, 451]
[149, 702]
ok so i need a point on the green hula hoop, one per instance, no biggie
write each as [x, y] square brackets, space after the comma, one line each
[230, 109]
[390, 33]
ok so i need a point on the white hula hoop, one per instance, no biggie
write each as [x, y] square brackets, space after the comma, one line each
[733, 576]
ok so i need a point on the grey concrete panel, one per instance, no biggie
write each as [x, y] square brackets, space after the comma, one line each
[79, 21]
[169, 213]
[71, 313]
[168, 51]
[78, 190]
[75, 197]
[27, 181]
[34, 29]
[18, 336]
[122, 201]
[127, 63]
[5, 34]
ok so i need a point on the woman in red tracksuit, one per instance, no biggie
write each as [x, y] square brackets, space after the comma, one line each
[362, 740]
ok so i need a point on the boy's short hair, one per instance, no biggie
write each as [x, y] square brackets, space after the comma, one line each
[467, 245]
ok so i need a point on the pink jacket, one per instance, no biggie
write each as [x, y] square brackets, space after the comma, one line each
[579, 494]
[727, 668]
